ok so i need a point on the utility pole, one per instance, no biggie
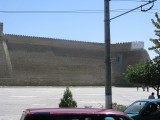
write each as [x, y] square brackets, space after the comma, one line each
[108, 88]
[108, 85]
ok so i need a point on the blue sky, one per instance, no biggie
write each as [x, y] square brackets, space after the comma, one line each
[85, 26]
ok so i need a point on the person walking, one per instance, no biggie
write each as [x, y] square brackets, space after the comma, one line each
[151, 96]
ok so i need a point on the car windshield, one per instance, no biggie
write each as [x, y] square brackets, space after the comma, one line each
[73, 117]
[62, 117]
[136, 107]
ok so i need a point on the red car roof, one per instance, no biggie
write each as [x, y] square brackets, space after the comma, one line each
[84, 111]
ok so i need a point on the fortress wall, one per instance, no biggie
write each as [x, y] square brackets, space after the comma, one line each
[42, 61]
[35, 64]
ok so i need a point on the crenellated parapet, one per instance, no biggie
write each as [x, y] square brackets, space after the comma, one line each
[52, 42]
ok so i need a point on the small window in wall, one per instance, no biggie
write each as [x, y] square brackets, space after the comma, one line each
[119, 59]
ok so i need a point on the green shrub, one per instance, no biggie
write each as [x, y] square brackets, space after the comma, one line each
[118, 107]
[67, 100]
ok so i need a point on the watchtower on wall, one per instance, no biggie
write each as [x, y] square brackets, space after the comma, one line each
[29, 60]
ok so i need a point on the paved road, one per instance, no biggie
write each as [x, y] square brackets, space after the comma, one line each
[13, 100]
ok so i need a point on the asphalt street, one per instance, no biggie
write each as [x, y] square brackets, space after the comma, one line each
[13, 100]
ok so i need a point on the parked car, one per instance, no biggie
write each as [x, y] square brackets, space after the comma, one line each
[148, 109]
[73, 114]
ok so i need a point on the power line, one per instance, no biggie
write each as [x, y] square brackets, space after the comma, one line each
[124, 10]
[141, 6]
[74, 11]
[129, 1]
[149, 12]
[81, 11]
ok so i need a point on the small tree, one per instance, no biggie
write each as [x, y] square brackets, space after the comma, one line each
[145, 74]
[67, 100]
[156, 42]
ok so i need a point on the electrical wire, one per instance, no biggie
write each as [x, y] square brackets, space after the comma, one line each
[74, 11]
[124, 10]
[141, 6]
[129, 0]
[82, 11]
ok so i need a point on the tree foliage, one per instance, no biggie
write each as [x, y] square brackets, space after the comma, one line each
[147, 73]
[156, 42]
[144, 74]
[67, 100]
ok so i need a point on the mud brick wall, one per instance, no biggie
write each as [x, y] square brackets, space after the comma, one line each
[58, 62]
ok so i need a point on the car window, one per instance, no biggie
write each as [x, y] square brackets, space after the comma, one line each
[109, 118]
[88, 117]
[136, 107]
[39, 116]
[115, 118]
[152, 107]
[47, 116]
[73, 117]
[158, 105]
